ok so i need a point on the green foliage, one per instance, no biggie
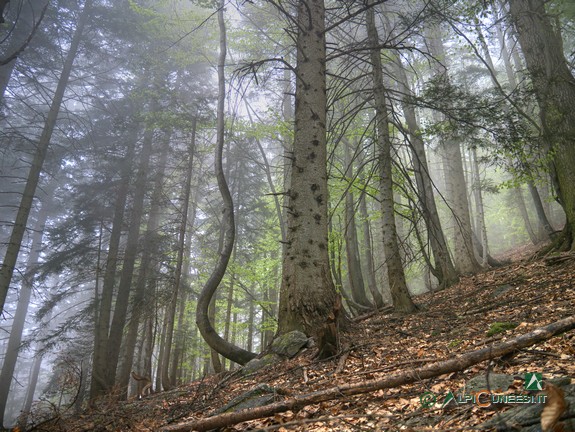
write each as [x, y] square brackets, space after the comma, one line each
[500, 327]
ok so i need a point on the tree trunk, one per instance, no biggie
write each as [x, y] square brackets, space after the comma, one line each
[443, 268]
[99, 385]
[479, 206]
[15, 338]
[32, 384]
[161, 350]
[368, 249]
[355, 276]
[167, 383]
[554, 87]
[116, 334]
[517, 195]
[544, 224]
[402, 301]
[140, 302]
[463, 252]
[308, 296]
[15, 242]
[183, 265]
[464, 257]
[207, 330]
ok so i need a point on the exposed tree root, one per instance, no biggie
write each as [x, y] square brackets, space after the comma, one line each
[457, 363]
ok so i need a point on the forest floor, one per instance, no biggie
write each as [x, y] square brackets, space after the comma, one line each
[527, 292]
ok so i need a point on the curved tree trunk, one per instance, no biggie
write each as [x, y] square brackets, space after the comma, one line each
[213, 339]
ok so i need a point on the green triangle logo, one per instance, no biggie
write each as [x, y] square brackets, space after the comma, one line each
[448, 399]
[533, 381]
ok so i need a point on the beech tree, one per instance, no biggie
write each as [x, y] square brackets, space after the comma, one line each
[554, 87]
[219, 344]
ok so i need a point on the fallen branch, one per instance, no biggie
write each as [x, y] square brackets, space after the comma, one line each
[455, 364]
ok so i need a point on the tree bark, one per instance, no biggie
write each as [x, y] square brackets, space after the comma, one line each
[540, 211]
[368, 253]
[355, 276]
[443, 268]
[554, 87]
[481, 227]
[182, 265]
[145, 275]
[402, 301]
[463, 251]
[307, 295]
[99, 384]
[116, 334]
[207, 330]
[15, 242]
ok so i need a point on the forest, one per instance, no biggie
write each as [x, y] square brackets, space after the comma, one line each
[186, 185]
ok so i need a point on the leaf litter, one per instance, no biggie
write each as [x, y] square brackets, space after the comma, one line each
[528, 292]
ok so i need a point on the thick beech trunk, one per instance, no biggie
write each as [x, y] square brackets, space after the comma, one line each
[554, 87]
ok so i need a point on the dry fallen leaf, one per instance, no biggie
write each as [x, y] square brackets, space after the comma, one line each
[554, 407]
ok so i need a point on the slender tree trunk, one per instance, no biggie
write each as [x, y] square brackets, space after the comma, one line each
[443, 270]
[167, 384]
[116, 335]
[402, 301]
[161, 350]
[15, 242]
[355, 276]
[368, 250]
[540, 211]
[100, 371]
[15, 339]
[463, 250]
[146, 272]
[479, 207]
[32, 384]
[207, 330]
[182, 266]
[517, 195]
[465, 261]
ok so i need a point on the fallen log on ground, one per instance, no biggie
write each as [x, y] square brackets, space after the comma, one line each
[458, 363]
